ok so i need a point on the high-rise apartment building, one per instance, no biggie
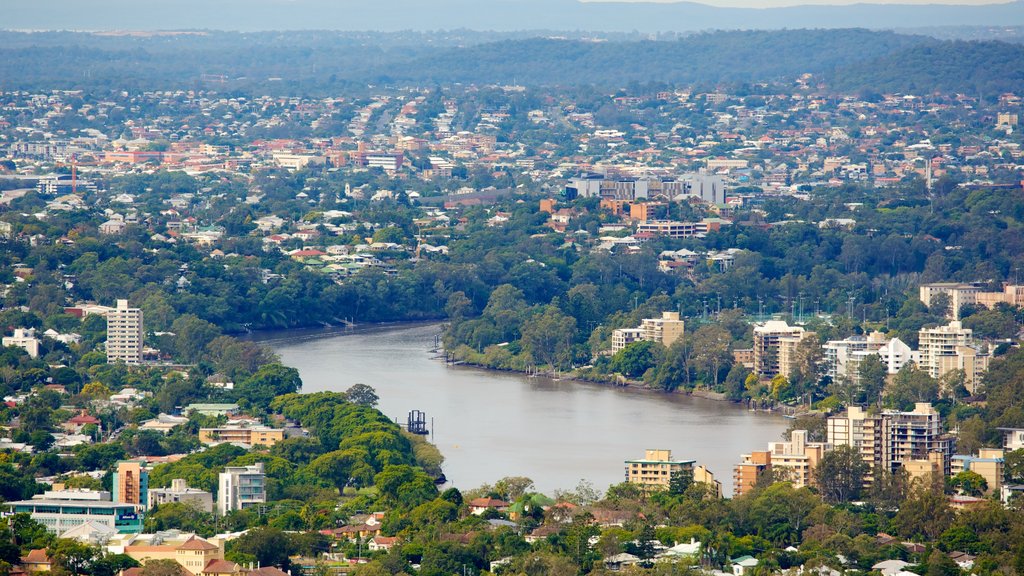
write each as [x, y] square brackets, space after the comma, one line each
[131, 484]
[241, 487]
[766, 345]
[941, 341]
[792, 461]
[888, 440]
[746, 473]
[124, 334]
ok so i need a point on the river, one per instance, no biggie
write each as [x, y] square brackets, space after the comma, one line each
[492, 424]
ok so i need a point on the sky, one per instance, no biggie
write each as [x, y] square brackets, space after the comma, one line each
[782, 3]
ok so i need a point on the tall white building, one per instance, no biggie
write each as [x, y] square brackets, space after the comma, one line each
[124, 334]
[895, 354]
[241, 487]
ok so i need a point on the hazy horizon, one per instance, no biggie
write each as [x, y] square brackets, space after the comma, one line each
[799, 3]
[505, 15]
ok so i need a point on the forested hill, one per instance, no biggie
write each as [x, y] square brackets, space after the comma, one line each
[975, 68]
[750, 56]
[318, 63]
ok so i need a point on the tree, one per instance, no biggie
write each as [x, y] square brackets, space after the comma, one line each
[270, 546]
[781, 388]
[940, 564]
[512, 488]
[910, 386]
[179, 516]
[779, 513]
[337, 467]
[735, 382]
[926, 513]
[548, 337]
[161, 568]
[680, 481]
[1013, 466]
[73, 556]
[362, 394]
[405, 485]
[969, 482]
[872, 372]
[267, 383]
[940, 305]
[635, 359]
[840, 474]
[815, 425]
[191, 336]
[711, 352]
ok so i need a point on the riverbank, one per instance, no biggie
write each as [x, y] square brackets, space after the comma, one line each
[270, 337]
[296, 335]
[489, 424]
[617, 382]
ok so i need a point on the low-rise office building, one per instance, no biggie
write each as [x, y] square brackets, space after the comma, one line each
[61, 510]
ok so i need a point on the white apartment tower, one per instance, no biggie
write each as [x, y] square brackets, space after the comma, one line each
[241, 487]
[124, 334]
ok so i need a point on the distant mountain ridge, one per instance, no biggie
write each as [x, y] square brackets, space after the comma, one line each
[500, 15]
[847, 60]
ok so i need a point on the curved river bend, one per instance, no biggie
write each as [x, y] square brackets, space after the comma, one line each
[493, 424]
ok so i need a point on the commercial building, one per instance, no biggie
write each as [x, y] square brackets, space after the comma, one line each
[766, 345]
[241, 487]
[124, 334]
[656, 469]
[179, 492]
[972, 361]
[701, 475]
[895, 354]
[674, 229]
[61, 510]
[926, 471]
[842, 357]
[915, 434]
[131, 484]
[664, 330]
